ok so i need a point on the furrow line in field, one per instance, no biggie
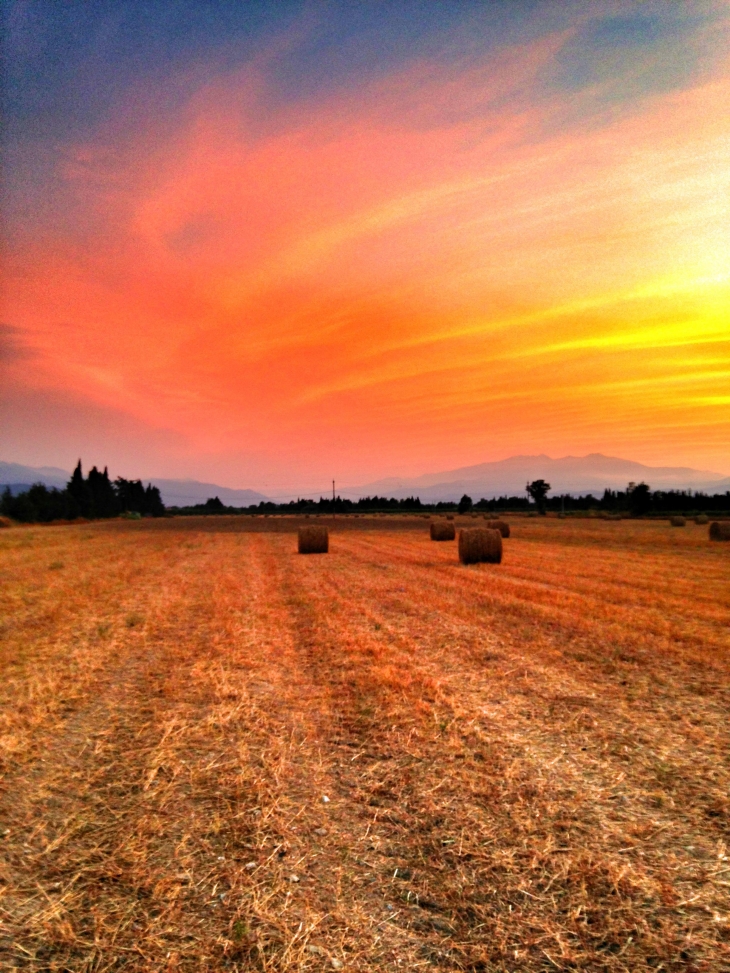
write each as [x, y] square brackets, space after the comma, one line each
[341, 650]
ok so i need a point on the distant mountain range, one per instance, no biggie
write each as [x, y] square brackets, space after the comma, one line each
[19, 477]
[175, 493]
[183, 493]
[571, 474]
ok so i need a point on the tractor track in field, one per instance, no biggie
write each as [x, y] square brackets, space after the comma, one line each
[590, 768]
[49, 804]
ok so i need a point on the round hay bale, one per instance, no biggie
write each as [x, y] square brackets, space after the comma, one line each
[442, 530]
[449, 516]
[5, 522]
[677, 521]
[501, 525]
[720, 531]
[480, 544]
[313, 540]
[702, 519]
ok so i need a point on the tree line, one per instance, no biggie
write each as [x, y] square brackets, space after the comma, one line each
[97, 496]
[90, 497]
[325, 505]
[638, 500]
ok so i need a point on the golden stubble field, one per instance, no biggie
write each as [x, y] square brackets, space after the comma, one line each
[217, 754]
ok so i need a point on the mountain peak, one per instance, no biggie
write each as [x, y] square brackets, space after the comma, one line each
[592, 473]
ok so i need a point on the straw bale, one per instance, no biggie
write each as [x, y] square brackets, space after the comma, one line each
[677, 521]
[501, 525]
[720, 531]
[449, 516]
[5, 522]
[313, 539]
[702, 519]
[480, 544]
[442, 530]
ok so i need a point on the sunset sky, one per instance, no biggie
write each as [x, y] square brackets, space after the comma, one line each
[269, 244]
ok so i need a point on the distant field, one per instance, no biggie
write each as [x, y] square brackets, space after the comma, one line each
[527, 766]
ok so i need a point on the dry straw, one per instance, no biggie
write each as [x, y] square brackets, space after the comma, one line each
[677, 521]
[720, 531]
[480, 544]
[313, 540]
[173, 838]
[501, 525]
[443, 530]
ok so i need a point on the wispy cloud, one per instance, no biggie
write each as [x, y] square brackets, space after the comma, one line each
[439, 250]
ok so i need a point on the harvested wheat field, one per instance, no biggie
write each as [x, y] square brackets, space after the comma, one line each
[218, 754]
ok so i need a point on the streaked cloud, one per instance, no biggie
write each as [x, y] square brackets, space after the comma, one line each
[452, 260]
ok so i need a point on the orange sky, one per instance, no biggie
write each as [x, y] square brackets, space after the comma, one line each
[444, 264]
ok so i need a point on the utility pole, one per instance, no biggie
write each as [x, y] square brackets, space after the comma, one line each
[333, 491]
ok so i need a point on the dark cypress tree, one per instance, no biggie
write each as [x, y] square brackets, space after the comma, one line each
[153, 501]
[103, 498]
[132, 496]
[78, 492]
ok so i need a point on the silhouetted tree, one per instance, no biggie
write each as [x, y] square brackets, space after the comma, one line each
[78, 491]
[153, 502]
[37, 504]
[130, 495]
[135, 498]
[93, 496]
[538, 490]
[104, 502]
[639, 496]
[465, 504]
